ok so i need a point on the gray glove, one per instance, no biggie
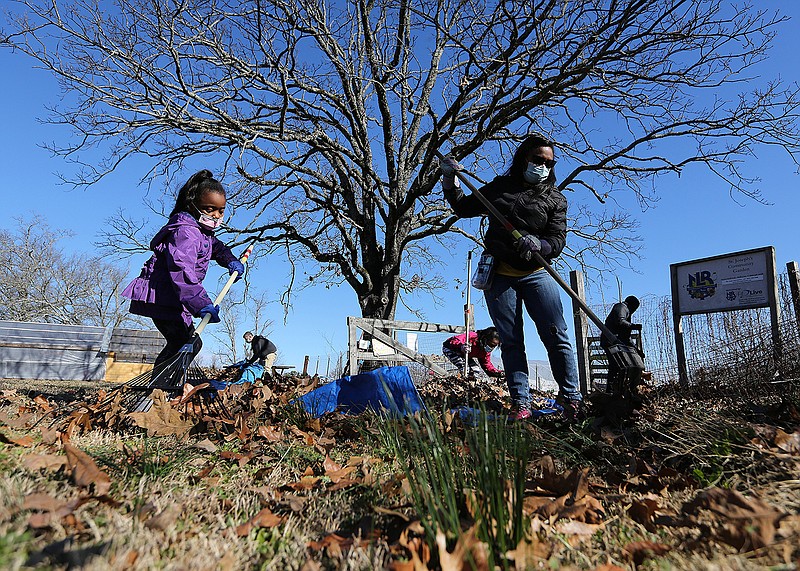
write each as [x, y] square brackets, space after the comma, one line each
[449, 166]
[527, 245]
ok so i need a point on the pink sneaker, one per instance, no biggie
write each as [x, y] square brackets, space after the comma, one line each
[519, 413]
[573, 409]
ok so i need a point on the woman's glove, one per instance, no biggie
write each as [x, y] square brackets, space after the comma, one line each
[212, 310]
[449, 166]
[527, 245]
[236, 266]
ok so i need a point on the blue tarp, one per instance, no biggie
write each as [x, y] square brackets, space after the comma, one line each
[385, 390]
[249, 374]
[540, 407]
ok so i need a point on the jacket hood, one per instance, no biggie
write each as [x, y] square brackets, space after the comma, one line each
[175, 221]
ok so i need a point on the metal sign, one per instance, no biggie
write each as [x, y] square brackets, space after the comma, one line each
[741, 280]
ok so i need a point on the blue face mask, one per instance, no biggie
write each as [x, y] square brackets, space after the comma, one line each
[535, 173]
[488, 348]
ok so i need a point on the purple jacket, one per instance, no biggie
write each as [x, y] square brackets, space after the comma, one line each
[171, 283]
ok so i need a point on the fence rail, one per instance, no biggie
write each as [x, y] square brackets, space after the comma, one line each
[52, 351]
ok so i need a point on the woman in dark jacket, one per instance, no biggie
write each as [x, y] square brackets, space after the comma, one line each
[527, 196]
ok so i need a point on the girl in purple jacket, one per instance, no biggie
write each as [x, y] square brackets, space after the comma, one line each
[170, 289]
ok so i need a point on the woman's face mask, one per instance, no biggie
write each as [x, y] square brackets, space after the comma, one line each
[535, 174]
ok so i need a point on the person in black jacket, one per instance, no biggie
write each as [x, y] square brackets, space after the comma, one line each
[264, 351]
[528, 197]
[619, 323]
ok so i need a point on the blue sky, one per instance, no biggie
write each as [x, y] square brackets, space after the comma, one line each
[695, 218]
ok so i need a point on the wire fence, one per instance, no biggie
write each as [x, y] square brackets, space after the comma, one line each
[721, 347]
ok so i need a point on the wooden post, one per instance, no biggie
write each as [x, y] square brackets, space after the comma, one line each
[352, 345]
[581, 331]
[793, 272]
[305, 366]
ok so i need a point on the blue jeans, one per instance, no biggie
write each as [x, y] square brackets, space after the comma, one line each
[541, 297]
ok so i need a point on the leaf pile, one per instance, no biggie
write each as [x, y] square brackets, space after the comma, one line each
[265, 484]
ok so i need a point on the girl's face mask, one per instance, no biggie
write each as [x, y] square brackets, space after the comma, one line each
[206, 220]
[209, 222]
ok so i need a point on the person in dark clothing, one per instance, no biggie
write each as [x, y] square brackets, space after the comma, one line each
[264, 352]
[619, 323]
[528, 197]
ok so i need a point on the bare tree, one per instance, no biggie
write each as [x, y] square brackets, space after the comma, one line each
[331, 112]
[45, 284]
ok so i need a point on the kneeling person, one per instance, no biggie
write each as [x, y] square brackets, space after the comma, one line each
[481, 344]
[264, 354]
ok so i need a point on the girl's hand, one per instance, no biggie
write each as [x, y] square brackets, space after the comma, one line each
[212, 310]
[236, 266]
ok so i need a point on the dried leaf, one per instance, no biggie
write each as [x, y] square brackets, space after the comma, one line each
[643, 512]
[49, 436]
[788, 442]
[329, 465]
[640, 551]
[206, 445]
[23, 441]
[242, 459]
[42, 502]
[264, 518]
[270, 433]
[165, 519]
[529, 552]
[43, 462]
[333, 544]
[162, 419]
[85, 472]
[22, 421]
[745, 523]
[573, 482]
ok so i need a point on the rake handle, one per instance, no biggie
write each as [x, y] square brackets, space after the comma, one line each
[536, 255]
[224, 291]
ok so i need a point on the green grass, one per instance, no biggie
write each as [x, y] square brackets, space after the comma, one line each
[458, 479]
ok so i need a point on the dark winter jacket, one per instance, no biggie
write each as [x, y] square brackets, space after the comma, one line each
[170, 285]
[262, 347]
[619, 322]
[539, 210]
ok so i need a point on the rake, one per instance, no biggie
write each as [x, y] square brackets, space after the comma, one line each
[175, 373]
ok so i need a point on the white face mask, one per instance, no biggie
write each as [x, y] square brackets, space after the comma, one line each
[208, 222]
[535, 173]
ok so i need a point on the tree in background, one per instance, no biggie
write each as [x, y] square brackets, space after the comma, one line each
[330, 113]
[43, 284]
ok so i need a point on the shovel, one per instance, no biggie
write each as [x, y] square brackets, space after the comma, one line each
[624, 356]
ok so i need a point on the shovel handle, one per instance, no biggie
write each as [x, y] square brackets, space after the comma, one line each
[536, 255]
